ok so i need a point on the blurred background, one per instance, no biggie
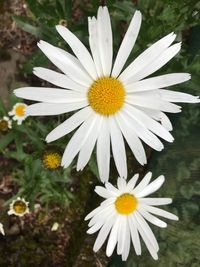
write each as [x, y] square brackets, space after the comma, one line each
[54, 232]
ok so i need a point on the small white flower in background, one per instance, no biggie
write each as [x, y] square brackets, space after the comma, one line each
[18, 112]
[55, 227]
[5, 124]
[2, 229]
[124, 213]
[114, 103]
[19, 207]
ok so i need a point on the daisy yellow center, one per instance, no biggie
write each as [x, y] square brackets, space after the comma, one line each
[52, 160]
[19, 207]
[3, 125]
[20, 110]
[126, 204]
[106, 95]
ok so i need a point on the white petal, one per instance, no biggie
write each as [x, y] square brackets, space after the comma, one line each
[160, 212]
[113, 189]
[134, 235]
[69, 125]
[127, 244]
[142, 132]
[103, 151]
[109, 201]
[121, 235]
[49, 95]
[58, 79]
[156, 201]
[104, 232]
[95, 228]
[148, 56]
[146, 240]
[151, 124]
[118, 148]
[133, 141]
[102, 215]
[152, 187]
[132, 182]
[145, 181]
[178, 97]
[94, 41]
[158, 82]
[93, 213]
[127, 43]
[151, 102]
[152, 219]
[105, 39]
[103, 192]
[121, 184]
[158, 63]
[79, 50]
[67, 63]
[78, 140]
[166, 122]
[147, 230]
[112, 241]
[47, 109]
[86, 150]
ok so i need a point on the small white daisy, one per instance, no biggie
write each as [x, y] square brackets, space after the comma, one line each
[114, 103]
[5, 124]
[19, 207]
[2, 229]
[18, 112]
[124, 213]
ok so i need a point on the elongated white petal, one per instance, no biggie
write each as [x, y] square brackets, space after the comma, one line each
[94, 41]
[148, 56]
[113, 189]
[152, 219]
[158, 82]
[67, 63]
[86, 150]
[146, 240]
[132, 182]
[147, 230]
[78, 140]
[48, 109]
[158, 63]
[93, 213]
[151, 124]
[58, 79]
[102, 215]
[101, 191]
[103, 233]
[69, 125]
[103, 151]
[178, 96]
[121, 236]
[118, 148]
[134, 235]
[127, 243]
[79, 50]
[145, 181]
[49, 95]
[160, 212]
[156, 201]
[132, 139]
[112, 241]
[142, 132]
[105, 39]
[95, 228]
[152, 103]
[152, 187]
[121, 184]
[127, 43]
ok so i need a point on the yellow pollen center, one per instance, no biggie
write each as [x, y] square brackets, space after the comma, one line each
[3, 125]
[106, 95]
[20, 110]
[126, 204]
[19, 207]
[52, 160]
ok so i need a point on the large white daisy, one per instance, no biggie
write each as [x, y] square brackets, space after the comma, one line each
[111, 104]
[124, 213]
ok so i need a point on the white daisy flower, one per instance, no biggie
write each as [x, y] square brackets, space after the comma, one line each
[18, 112]
[114, 104]
[19, 207]
[2, 229]
[5, 124]
[124, 213]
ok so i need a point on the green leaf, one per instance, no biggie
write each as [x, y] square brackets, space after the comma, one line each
[24, 24]
[6, 140]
